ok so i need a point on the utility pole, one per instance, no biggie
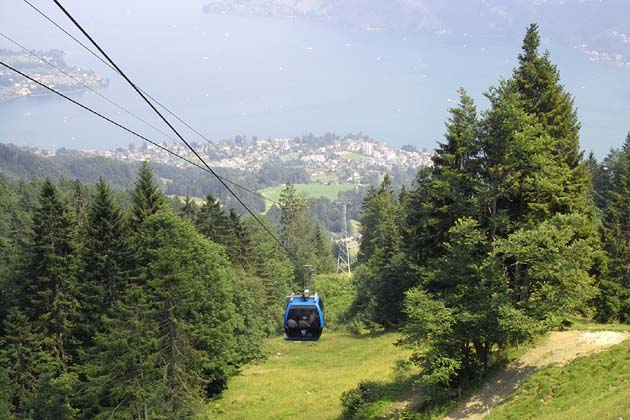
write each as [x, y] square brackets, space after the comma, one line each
[343, 258]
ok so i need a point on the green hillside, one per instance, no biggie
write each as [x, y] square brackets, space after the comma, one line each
[593, 387]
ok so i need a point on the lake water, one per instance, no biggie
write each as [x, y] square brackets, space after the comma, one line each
[274, 77]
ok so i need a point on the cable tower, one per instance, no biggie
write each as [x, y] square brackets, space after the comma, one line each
[343, 256]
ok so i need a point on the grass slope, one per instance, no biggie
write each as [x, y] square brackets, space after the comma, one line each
[306, 380]
[593, 387]
[310, 190]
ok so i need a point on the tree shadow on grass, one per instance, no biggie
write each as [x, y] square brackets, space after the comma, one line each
[368, 398]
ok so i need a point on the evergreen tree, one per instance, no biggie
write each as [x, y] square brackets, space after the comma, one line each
[297, 231]
[105, 258]
[51, 282]
[505, 247]
[271, 264]
[385, 274]
[450, 190]
[454, 312]
[241, 249]
[40, 337]
[79, 202]
[171, 339]
[379, 220]
[213, 223]
[537, 82]
[26, 359]
[189, 209]
[323, 252]
[614, 300]
[9, 249]
[6, 411]
[147, 198]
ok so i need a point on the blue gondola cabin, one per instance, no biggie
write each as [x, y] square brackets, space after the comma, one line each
[304, 318]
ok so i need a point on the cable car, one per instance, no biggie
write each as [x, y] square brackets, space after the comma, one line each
[304, 317]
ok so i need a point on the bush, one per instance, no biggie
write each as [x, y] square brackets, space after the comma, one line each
[355, 399]
[337, 292]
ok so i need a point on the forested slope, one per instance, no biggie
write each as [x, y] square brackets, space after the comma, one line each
[137, 313]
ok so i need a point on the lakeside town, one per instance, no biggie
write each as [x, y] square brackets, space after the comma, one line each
[331, 159]
[51, 70]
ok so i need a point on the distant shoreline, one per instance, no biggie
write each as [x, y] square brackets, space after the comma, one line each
[5, 100]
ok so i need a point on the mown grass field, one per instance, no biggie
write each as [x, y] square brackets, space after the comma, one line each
[593, 387]
[306, 380]
[310, 190]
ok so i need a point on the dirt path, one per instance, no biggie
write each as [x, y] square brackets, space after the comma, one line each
[559, 347]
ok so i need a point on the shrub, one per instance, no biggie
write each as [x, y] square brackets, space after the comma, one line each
[355, 399]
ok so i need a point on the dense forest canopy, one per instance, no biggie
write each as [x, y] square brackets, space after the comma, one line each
[141, 312]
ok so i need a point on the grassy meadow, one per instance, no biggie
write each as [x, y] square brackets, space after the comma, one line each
[306, 380]
[310, 190]
[592, 387]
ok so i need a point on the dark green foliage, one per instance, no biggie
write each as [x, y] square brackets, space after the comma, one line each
[455, 311]
[301, 236]
[147, 197]
[50, 400]
[11, 245]
[50, 286]
[355, 399]
[549, 267]
[241, 250]
[386, 273]
[613, 302]
[379, 221]
[24, 357]
[538, 83]
[450, 190]
[6, 411]
[99, 321]
[105, 262]
[323, 252]
[214, 224]
[189, 209]
[270, 263]
[39, 340]
[171, 340]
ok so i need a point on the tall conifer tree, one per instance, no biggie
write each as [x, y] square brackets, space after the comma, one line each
[105, 261]
[51, 285]
[147, 198]
[614, 300]
[213, 223]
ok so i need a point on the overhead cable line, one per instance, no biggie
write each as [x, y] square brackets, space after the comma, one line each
[98, 114]
[192, 149]
[249, 190]
[115, 70]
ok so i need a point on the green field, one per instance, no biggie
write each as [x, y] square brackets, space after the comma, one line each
[302, 380]
[310, 190]
[593, 387]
